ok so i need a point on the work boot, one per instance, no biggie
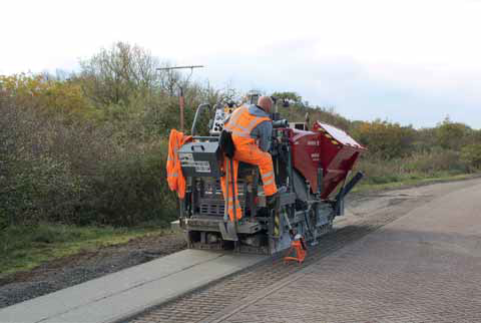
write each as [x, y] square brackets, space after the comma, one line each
[282, 190]
[273, 201]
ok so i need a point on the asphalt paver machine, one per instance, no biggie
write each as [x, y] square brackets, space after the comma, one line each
[313, 165]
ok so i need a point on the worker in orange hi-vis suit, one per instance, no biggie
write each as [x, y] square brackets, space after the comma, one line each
[175, 178]
[251, 129]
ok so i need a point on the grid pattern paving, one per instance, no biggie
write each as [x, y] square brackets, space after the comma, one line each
[425, 267]
[207, 303]
[353, 287]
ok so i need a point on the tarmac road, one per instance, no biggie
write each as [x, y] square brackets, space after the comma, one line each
[411, 255]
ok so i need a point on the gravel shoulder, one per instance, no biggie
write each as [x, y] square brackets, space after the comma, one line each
[65, 272]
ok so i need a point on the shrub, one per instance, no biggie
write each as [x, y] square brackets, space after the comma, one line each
[471, 157]
[37, 180]
[417, 166]
[59, 99]
[433, 162]
[77, 173]
[385, 140]
[132, 189]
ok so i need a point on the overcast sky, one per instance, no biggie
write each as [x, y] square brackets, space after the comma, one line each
[413, 62]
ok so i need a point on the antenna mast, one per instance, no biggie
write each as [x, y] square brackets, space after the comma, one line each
[181, 96]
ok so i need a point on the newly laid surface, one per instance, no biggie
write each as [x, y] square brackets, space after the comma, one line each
[423, 267]
[406, 255]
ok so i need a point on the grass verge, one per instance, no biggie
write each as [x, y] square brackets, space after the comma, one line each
[25, 247]
[413, 180]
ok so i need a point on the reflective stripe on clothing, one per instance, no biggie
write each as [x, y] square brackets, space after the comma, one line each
[240, 134]
[231, 207]
[175, 179]
[236, 114]
[267, 175]
[242, 122]
[269, 182]
[228, 191]
[252, 154]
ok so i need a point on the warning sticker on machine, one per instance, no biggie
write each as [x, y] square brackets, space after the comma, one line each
[186, 160]
[201, 166]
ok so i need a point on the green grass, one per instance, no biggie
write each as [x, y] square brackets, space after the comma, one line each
[407, 180]
[25, 247]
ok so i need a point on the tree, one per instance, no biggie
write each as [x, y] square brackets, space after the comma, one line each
[451, 135]
[119, 74]
[291, 97]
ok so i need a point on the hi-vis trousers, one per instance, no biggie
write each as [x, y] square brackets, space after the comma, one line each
[248, 153]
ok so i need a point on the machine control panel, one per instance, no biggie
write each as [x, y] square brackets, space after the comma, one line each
[222, 112]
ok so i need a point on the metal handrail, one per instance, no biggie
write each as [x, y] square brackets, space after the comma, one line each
[196, 117]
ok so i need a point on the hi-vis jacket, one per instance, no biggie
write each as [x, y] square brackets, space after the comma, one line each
[241, 124]
[175, 178]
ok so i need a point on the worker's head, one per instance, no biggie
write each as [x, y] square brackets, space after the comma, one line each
[265, 103]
